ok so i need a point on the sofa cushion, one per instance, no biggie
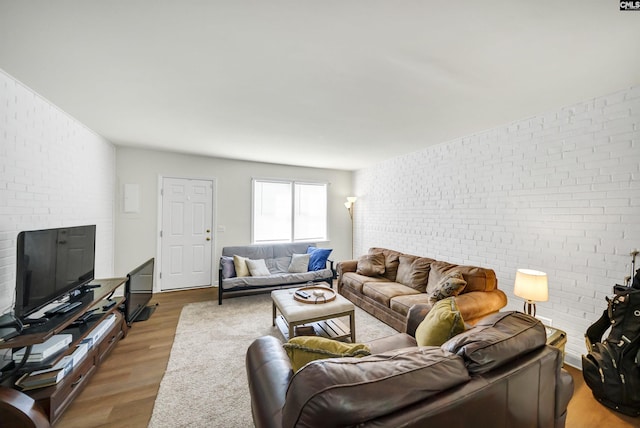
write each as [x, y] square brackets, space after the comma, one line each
[304, 349]
[257, 267]
[402, 304]
[478, 279]
[240, 263]
[355, 281]
[275, 279]
[318, 257]
[371, 265]
[391, 261]
[228, 268]
[299, 263]
[497, 339]
[383, 292]
[449, 285]
[348, 391]
[414, 271]
[442, 322]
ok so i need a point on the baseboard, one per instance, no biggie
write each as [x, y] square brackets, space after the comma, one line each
[572, 360]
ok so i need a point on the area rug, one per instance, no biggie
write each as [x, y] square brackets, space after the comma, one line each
[205, 384]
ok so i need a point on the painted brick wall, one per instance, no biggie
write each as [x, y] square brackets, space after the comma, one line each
[558, 192]
[54, 172]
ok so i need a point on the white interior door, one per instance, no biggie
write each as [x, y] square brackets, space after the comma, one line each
[186, 235]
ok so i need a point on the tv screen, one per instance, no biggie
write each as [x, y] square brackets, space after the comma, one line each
[138, 292]
[51, 263]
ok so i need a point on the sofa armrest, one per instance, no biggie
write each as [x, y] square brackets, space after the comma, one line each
[268, 372]
[346, 266]
[564, 392]
[477, 304]
[415, 316]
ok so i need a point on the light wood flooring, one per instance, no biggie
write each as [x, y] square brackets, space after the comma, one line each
[123, 390]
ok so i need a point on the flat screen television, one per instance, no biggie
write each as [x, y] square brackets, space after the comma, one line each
[51, 263]
[138, 292]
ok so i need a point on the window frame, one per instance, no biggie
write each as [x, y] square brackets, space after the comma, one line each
[292, 183]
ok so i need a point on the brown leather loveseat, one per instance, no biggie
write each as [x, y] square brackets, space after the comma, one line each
[499, 374]
[390, 283]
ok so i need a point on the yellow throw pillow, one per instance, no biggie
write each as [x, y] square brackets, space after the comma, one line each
[442, 322]
[304, 349]
[240, 263]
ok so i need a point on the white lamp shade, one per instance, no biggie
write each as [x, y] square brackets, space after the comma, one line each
[348, 205]
[352, 199]
[531, 285]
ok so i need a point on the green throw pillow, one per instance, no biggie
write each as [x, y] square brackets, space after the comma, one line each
[442, 322]
[304, 349]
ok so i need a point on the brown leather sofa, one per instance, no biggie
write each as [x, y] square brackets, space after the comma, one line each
[407, 280]
[498, 374]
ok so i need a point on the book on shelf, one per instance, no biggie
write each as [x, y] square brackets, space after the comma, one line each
[42, 351]
[46, 377]
[29, 381]
[100, 330]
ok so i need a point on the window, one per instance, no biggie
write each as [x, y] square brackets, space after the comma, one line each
[289, 211]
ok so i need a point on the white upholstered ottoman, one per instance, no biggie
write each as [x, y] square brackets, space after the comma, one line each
[323, 317]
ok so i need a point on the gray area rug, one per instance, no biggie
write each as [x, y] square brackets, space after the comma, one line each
[205, 384]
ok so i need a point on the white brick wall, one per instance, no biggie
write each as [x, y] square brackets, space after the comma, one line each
[54, 172]
[559, 192]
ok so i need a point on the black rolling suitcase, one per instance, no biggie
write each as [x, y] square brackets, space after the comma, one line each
[612, 366]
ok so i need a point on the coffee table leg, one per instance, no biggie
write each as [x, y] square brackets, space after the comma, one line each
[352, 325]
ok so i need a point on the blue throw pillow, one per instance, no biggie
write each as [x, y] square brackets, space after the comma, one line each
[318, 259]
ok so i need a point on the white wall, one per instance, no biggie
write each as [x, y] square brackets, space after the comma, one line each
[558, 192]
[54, 172]
[137, 233]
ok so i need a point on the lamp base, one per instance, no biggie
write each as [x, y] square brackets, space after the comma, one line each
[529, 308]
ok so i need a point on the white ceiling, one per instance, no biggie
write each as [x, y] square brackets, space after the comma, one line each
[332, 84]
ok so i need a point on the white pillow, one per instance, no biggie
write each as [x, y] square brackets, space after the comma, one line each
[240, 263]
[258, 267]
[299, 263]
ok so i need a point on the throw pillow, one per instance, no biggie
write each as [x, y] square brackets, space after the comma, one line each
[240, 264]
[442, 322]
[304, 349]
[371, 264]
[319, 257]
[450, 285]
[414, 272]
[258, 267]
[299, 263]
[228, 268]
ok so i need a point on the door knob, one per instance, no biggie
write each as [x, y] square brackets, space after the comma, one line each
[208, 230]
[208, 239]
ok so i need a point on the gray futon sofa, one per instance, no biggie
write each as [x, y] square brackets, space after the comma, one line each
[277, 258]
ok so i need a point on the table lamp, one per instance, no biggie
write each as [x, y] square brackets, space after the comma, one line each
[532, 286]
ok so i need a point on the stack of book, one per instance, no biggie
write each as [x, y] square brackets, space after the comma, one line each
[46, 377]
[53, 375]
[41, 351]
[99, 331]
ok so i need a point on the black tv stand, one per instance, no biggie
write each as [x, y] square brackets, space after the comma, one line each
[146, 313]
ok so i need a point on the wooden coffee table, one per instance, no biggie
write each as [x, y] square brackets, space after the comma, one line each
[322, 317]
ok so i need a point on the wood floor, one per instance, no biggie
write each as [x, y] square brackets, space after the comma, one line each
[123, 390]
